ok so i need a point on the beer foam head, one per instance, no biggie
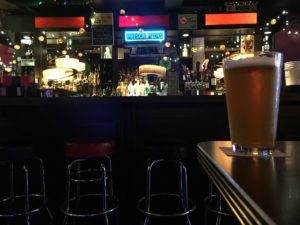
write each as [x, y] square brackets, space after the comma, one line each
[251, 59]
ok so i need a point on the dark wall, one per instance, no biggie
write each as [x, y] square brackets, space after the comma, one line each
[288, 43]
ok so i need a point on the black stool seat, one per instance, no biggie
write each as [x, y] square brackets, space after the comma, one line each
[21, 159]
[160, 154]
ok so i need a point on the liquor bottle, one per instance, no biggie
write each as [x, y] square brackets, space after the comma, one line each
[213, 80]
[207, 78]
[147, 88]
[197, 72]
[185, 52]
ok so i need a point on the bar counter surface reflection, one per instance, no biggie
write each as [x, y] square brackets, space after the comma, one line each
[259, 190]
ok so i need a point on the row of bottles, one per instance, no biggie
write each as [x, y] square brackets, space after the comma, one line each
[141, 88]
[199, 80]
[131, 83]
[97, 82]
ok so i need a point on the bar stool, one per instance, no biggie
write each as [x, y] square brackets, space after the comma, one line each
[172, 154]
[214, 203]
[90, 163]
[20, 162]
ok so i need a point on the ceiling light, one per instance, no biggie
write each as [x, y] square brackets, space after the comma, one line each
[185, 35]
[273, 21]
[93, 20]
[17, 46]
[81, 30]
[41, 38]
[122, 11]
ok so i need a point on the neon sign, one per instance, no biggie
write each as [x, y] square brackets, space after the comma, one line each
[136, 36]
[230, 19]
[143, 21]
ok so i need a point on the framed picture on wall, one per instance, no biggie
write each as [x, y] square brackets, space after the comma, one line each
[106, 52]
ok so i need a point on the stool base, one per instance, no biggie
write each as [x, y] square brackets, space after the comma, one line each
[73, 201]
[213, 204]
[25, 203]
[94, 171]
[187, 204]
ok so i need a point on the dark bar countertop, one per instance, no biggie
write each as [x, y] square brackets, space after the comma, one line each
[259, 190]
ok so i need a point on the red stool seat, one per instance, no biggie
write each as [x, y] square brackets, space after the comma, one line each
[89, 147]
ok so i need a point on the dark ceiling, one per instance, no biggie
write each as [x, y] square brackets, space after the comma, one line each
[267, 8]
[268, 5]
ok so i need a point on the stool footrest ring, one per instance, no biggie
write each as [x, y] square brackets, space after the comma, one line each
[191, 208]
[22, 213]
[207, 203]
[115, 205]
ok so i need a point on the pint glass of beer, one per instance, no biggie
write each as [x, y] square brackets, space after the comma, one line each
[252, 83]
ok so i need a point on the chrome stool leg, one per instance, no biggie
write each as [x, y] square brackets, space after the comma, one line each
[26, 192]
[185, 195]
[67, 191]
[148, 190]
[217, 209]
[11, 189]
[110, 180]
[104, 199]
[219, 205]
[43, 187]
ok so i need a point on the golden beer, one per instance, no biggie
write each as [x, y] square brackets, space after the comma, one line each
[252, 95]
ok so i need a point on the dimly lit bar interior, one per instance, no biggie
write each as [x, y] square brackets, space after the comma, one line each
[117, 112]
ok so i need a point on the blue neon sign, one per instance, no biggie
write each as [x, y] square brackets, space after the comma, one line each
[135, 36]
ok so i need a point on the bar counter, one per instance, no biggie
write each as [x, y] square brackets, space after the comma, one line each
[193, 118]
[134, 122]
[259, 190]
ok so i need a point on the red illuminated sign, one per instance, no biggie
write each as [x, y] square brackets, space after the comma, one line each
[144, 21]
[230, 19]
[58, 22]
